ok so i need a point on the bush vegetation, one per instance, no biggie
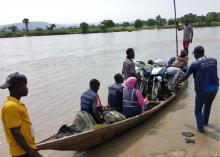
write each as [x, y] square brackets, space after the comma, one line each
[210, 19]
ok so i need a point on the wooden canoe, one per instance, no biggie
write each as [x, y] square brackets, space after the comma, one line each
[98, 136]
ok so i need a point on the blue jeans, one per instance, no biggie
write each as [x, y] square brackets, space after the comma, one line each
[203, 104]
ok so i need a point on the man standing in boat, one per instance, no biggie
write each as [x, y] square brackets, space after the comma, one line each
[91, 103]
[187, 35]
[16, 122]
[206, 80]
[128, 69]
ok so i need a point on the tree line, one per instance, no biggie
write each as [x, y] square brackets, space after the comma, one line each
[210, 19]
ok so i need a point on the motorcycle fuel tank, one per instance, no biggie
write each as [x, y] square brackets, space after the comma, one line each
[157, 70]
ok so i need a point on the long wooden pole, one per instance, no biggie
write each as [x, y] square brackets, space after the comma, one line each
[176, 28]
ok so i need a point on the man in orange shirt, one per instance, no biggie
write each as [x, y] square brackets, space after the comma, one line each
[15, 118]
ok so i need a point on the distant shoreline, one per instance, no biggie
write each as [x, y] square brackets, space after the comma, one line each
[65, 31]
[211, 19]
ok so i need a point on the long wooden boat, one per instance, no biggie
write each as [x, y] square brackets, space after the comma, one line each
[98, 136]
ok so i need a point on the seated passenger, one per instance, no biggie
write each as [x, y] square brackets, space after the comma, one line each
[180, 62]
[133, 101]
[150, 64]
[91, 103]
[115, 93]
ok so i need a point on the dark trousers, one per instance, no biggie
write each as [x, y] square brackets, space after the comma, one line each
[26, 155]
[203, 104]
[131, 111]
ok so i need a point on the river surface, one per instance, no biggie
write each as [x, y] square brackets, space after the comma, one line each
[59, 68]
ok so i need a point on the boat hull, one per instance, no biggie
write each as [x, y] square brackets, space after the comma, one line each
[95, 137]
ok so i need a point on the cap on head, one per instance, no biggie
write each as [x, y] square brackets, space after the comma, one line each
[13, 79]
[199, 50]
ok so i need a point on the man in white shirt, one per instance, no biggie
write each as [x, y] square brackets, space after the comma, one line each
[187, 35]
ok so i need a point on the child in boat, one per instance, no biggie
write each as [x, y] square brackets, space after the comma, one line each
[115, 93]
[133, 101]
[128, 68]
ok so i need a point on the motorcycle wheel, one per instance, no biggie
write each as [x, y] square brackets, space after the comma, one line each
[143, 88]
[155, 90]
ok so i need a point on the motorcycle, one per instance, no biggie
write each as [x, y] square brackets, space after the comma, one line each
[163, 80]
[143, 76]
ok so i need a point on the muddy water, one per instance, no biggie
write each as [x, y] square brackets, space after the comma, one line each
[59, 69]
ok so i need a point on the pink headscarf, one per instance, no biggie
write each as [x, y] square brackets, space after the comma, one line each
[131, 83]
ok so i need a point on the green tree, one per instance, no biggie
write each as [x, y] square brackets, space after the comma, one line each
[213, 16]
[116, 25]
[51, 27]
[151, 22]
[84, 27]
[108, 23]
[13, 28]
[163, 22]
[102, 28]
[158, 21]
[201, 20]
[125, 24]
[92, 26]
[188, 17]
[138, 23]
[39, 29]
[171, 21]
[4, 29]
[26, 22]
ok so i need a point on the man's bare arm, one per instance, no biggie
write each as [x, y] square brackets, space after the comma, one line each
[191, 36]
[183, 78]
[22, 142]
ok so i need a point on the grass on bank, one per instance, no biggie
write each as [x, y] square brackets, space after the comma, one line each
[63, 31]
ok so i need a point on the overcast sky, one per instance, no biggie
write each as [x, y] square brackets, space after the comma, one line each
[91, 11]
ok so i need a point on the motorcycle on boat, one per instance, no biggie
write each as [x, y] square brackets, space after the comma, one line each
[163, 79]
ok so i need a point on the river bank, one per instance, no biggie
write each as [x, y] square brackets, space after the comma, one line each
[94, 29]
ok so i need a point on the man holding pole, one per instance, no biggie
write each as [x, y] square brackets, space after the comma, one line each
[187, 35]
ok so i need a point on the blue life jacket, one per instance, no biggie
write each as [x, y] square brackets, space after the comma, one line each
[115, 96]
[205, 74]
[131, 107]
[87, 99]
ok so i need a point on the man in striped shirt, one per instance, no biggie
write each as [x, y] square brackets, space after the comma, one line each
[128, 69]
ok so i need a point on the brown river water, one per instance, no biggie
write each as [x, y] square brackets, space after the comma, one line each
[59, 69]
